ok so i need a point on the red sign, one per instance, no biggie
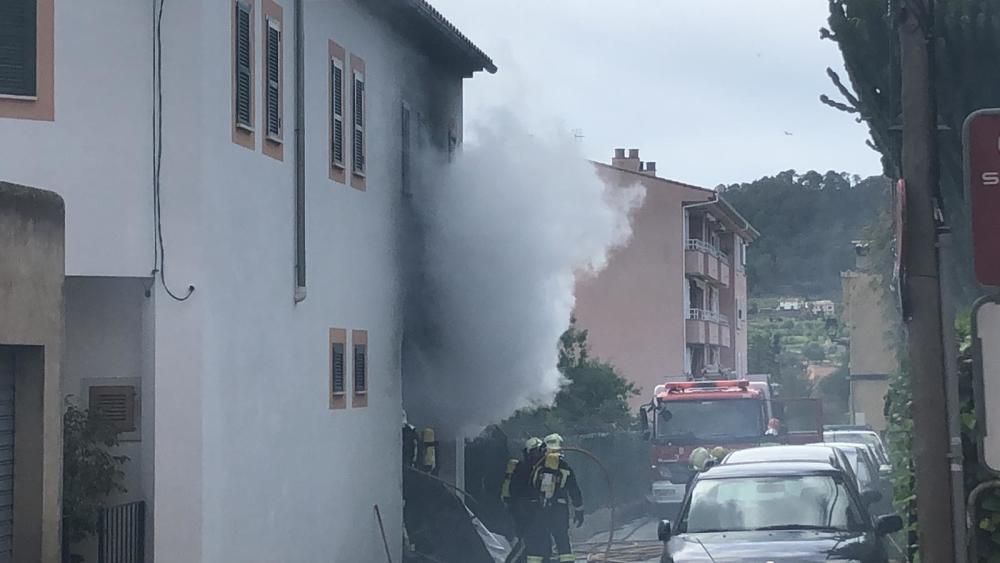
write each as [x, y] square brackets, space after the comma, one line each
[982, 175]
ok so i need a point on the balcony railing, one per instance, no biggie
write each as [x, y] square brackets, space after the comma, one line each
[698, 244]
[706, 315]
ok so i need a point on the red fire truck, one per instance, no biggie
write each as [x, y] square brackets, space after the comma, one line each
[733, 414]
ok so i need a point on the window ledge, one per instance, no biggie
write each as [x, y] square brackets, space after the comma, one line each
[358, 173]
[338, 166]
[361, 392]
[276, 139]
[339, 393]
[242, 127]
[18, 98]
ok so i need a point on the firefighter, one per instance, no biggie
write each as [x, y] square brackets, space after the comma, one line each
[411, 443]
[516, 494]
[554, 487]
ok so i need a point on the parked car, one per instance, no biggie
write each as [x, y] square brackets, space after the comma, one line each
[778, 511]
[793, 453]
[874, 488]
[867, 437]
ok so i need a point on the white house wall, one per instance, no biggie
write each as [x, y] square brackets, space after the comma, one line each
[97, 152]
[281, 477]
[251, 464]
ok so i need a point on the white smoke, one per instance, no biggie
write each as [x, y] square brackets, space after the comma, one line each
[514, 220]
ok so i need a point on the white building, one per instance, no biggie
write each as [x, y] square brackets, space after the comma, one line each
[263, 411]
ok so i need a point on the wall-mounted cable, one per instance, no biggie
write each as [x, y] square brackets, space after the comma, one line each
[159, 253]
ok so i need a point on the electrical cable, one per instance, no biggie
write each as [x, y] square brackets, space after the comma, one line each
[159, 258]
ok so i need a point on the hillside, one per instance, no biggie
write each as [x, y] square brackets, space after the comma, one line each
[807, 222]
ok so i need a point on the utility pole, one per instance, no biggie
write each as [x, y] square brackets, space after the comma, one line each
[923, 299]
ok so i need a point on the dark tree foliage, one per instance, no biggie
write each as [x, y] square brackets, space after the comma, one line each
[807, 223]
[966, 48]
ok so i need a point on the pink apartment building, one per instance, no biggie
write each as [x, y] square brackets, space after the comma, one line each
[672, 303]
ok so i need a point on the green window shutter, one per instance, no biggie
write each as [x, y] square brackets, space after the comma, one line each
[244, 111]
[18, 31]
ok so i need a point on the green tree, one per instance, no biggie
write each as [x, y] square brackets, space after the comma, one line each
[594, 398]
[807, 223]
[90, 471]
[966, 49]
[814, 352]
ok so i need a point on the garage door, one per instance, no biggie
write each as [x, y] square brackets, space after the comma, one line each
[6, 455]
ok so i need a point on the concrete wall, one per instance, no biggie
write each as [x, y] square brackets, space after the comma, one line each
[31, 325]
[872, 357]
[102, 116]
[634, 310]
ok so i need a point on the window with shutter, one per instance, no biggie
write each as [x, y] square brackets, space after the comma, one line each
[244, 74]
[338, 368]
[339, 383]
[337, 112]
[18, 33]
[360, 368]
[18, 36]
[115, 404]
[273, 80]
[358, 154]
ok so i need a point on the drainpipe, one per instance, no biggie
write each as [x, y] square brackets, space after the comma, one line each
[300, 159]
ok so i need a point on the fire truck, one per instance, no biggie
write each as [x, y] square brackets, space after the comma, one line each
[729, 413]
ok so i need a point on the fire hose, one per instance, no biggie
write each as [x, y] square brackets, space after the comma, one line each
[611, 495]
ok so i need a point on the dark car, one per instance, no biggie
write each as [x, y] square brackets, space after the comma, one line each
[781, 511]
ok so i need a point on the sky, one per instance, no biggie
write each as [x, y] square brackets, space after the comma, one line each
[714, 91]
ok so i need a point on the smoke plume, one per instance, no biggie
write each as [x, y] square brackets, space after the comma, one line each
[502, 237]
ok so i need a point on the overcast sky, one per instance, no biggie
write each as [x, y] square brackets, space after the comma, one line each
[714, 91]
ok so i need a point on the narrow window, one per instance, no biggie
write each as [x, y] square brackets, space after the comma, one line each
[359, 345]
[337, 112]
[358, 107]
[274, 80]
[338, 368]
[244, 74]
[405, 149]
[18, 36]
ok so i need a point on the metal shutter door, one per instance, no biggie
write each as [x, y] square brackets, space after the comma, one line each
[6, 456]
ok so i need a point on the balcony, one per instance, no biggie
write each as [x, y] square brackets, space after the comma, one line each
[703, 260]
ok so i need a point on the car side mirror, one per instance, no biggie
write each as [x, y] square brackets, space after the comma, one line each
[871, 497]
[664, 532]
[888, 524]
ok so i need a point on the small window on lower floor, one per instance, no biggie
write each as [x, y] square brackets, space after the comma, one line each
[359, 344]
[338, 368]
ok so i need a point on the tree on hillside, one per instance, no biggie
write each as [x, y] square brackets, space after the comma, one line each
[594, 399]
[966, 50]
[807, 224]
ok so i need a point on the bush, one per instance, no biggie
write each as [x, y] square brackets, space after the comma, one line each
[814, 352]
[90, 472]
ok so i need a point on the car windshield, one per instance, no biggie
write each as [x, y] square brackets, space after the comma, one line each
[719, 420]
[819, 502]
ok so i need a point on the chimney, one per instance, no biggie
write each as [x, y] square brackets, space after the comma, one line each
[650, 168]
[631, 162]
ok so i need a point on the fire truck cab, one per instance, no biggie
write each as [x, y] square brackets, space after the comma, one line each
[687, 415]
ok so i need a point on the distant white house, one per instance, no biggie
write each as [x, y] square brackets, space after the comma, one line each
[261, 408]
[791, 304]
[823, 307]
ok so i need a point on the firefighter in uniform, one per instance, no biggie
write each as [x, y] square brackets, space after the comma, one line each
[555, 491]
[516, 494]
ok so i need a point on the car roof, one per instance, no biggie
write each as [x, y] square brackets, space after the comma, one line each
[769, 469]
[781, 453]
